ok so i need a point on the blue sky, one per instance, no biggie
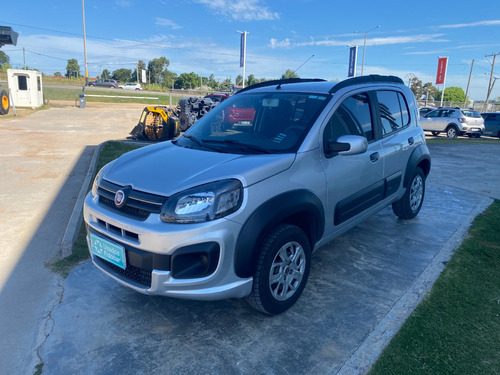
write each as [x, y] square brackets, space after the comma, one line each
[200, 36]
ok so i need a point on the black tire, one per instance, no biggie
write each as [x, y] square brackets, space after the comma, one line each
[452, 131]
[435, 134]
[285, 255]
[4, 102]
[410, 203]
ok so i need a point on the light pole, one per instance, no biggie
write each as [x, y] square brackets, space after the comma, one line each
[364, 47]
[85, 46]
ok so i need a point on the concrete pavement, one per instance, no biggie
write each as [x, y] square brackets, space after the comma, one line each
[361, 288]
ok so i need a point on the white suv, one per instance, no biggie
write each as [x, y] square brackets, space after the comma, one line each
[453, 121]
[236, 206]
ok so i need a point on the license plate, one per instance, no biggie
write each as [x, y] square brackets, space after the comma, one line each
[475, 129]
[108, 250]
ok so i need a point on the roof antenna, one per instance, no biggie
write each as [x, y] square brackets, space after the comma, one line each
[303, 63]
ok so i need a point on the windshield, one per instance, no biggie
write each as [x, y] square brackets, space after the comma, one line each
[256, 123]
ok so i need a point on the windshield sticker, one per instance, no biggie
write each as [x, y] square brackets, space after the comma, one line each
[279, 138]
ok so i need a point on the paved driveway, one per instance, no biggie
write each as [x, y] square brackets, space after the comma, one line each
[362, 285]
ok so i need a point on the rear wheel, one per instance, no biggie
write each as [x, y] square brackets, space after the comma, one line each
[409, 205]
[282, 270]
[452, 131]
[4, 102]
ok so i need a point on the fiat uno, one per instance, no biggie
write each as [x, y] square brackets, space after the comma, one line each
[234, 208]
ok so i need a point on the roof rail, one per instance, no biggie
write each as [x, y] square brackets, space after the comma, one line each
[279, 82]
[365, 79]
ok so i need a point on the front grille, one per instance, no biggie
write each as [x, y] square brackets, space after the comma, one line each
[138, 205]
[132, 273]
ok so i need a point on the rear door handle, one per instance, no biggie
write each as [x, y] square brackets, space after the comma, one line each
[374, 157]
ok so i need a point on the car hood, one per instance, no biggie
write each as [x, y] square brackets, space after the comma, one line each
[166, 169]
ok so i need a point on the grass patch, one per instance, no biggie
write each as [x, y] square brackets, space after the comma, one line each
[456, 329]
[443, 140]
[80, 252]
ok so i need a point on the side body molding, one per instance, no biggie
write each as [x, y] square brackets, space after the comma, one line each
[299, 207]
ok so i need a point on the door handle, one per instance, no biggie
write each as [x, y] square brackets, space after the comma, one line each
[411, 140]
[374, 157]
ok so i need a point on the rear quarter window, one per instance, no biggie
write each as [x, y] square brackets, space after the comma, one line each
[394, 113]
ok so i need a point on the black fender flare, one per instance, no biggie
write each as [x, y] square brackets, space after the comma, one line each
[300, 207]
[419, 158]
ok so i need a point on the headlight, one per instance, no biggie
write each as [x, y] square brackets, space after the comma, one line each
[98, 179]
[203, 203]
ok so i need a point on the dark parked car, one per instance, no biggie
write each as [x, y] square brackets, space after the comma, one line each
[104, 83]
[491, 124]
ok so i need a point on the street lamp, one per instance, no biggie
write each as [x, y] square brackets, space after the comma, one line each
[364, 46]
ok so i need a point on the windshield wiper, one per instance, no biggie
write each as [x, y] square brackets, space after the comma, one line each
[201, 143]
[239, 144]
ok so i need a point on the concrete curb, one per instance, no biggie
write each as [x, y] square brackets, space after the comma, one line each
[76, 219]
[371, 348]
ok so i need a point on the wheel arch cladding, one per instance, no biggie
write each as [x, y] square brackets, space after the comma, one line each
[419, 158]
[298, 207]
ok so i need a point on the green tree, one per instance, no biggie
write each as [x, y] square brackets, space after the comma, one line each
[168, 78]
[226, 85]
[416, 87]
[156, 67]
[4, 62]
[212, 83]
[141, 65]
[188, 80]
[72, 69]
[122, 75]
[430, 91]
[452, 94]
[105, 74]
[57, 74]
[289, 74]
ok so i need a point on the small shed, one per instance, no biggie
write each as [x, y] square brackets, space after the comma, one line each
[25, 87]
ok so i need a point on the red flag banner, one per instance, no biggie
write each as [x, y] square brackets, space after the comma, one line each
[441, 72]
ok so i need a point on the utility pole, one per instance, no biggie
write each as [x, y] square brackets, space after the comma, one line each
[485, 107]
[468, 83]
[85, 45]
[364, 47]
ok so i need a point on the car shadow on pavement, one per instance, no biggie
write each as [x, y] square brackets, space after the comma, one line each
[101, 327]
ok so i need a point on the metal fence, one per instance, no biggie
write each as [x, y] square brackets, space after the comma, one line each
[491, 107]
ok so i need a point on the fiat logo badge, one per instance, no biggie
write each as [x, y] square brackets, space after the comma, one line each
[120, 198]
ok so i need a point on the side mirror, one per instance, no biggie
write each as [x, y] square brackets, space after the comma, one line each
[348, 145]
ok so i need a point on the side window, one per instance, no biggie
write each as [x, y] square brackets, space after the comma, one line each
[352, 117]
[22, 82]
[393, 111]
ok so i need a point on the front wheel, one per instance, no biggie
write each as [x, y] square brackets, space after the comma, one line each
[282, 270]
[410, 203]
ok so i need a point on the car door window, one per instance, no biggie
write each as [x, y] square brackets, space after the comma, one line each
[393, 111]
[352, 117]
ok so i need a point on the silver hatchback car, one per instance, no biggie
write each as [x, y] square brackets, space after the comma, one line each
[236, 206]
[454, 122]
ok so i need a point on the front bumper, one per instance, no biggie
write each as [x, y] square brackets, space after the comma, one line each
[152, 238]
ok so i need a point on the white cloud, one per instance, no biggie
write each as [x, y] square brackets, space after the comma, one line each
[166, 22]
[241, 10]
[473, 24]
[275, 43]
[422, 38]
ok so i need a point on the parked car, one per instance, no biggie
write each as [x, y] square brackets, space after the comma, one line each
[425, 110]
[104, 83]
[131, 86]
[491, 123]
[453, 121]
[235, 208]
